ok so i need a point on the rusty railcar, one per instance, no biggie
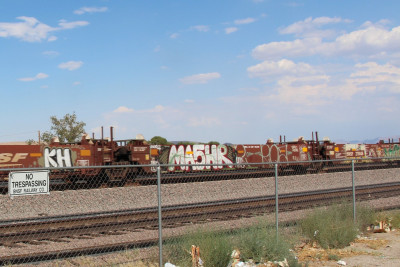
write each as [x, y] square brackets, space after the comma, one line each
[299, 155]
[85, 153]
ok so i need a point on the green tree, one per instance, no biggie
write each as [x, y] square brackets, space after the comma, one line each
[31, 142]
[213, 143]
[158, 140]
[67, 129]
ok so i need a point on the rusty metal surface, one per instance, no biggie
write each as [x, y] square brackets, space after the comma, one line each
[299, 155]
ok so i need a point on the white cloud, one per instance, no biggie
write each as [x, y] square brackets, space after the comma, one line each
[311, 89]
[310, 27]
[373, 76]
[70, 25]
[298, 47]
[370, 42]
[32, 30]
[269, 69]
[71, 65]
[52, 38]
[230, 30]
[174, 35]
[76, 83]
[123, 109]
[37, 77]
[200, 78]
[84, 10]
[244, 21]
[380, 24]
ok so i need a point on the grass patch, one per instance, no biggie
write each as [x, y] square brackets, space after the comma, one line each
[261, 243]
[333, 257]
[215, 248]
[258, 242]
[334, 227]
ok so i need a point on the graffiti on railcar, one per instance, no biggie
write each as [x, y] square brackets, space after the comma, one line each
[393, 151]
[271, 153]
[195, 155]
[12, 159]
[57, 157]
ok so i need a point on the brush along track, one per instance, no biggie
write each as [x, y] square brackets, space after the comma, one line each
[35, 231]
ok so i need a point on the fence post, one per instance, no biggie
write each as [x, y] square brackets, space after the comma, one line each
[276, 202]
[159, 215]
[354, 191]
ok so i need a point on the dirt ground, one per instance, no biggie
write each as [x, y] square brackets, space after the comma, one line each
[375, 249]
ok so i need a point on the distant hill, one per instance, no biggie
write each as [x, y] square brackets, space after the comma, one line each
[13, 143]
[369, 141]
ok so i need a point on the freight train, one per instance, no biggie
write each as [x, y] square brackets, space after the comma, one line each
[300, 155]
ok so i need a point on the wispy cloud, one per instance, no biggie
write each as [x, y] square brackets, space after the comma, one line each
[230, 30]
[123, 109]
[174, 35]
[244, 21]
[200, 78]
[84, 10]
[37, 77]
[268, 69]
[201, 28]
[32, 30]
[71, 65]
[312, 27]
[70, 25]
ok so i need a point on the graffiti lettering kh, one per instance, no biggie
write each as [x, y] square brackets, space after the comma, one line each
[57, 157]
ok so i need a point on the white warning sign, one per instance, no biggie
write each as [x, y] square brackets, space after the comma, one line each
[28, 183]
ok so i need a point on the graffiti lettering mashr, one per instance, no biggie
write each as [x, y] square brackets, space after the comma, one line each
[199, 154]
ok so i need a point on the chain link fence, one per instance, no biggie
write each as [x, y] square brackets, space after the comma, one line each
[125, 213]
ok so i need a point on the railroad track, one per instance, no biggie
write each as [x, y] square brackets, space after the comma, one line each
[39, 230]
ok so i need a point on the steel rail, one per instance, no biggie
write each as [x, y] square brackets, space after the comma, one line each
[174, 216]
[23, 230]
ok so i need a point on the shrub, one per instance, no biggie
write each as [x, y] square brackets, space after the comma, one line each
[215, 248]
[261, 244]
[334, 227]
[258, 243]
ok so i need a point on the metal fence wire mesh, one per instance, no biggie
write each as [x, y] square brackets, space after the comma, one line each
[116, 211]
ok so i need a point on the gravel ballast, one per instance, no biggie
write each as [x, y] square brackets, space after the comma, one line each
[119, 198]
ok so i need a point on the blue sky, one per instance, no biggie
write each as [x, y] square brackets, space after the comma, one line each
[238, 71]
